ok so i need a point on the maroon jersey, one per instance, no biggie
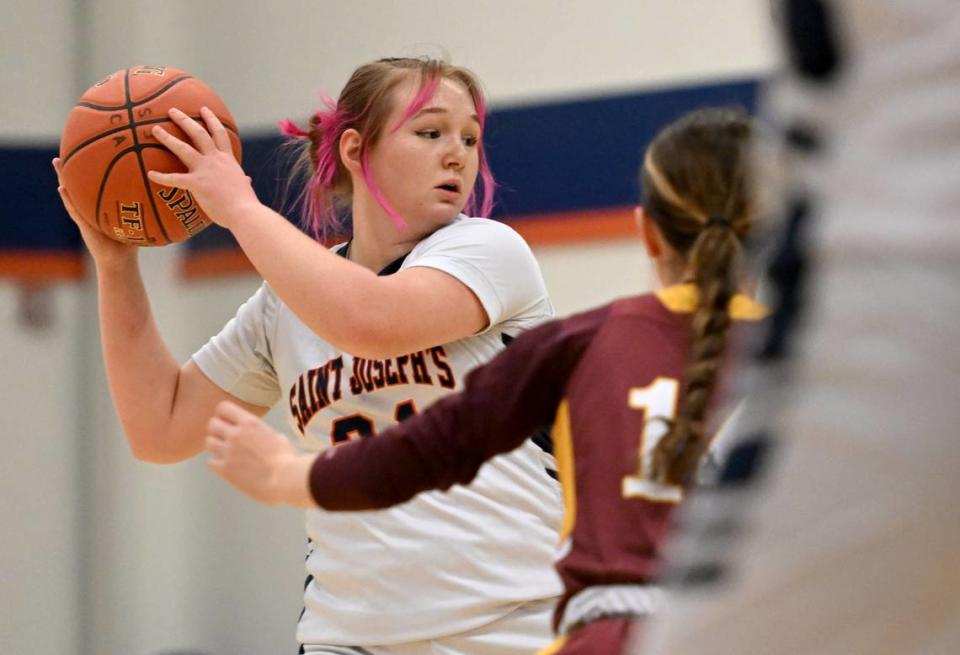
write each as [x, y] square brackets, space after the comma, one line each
[597, 377]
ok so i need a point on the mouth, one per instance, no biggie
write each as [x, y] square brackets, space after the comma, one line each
[449, 187]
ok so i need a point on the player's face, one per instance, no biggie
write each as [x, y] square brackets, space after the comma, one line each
[426, 169]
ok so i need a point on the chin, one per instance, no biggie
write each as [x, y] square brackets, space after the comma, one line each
[444, 213]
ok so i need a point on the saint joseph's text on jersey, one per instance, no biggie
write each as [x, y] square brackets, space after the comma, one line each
[319, 387]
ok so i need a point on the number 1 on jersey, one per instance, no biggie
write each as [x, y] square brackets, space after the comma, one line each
[656, 400]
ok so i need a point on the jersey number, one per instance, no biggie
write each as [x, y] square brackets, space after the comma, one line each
[358, 425]
[656, 400]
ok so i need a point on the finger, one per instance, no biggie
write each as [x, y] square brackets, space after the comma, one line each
[58, 168]
[231, 412]
[218, 467]
[215, 446]
[74, 215]
[68, 202]
[200, 137]
[221, 139]
[183, 150]
[218, 428]
[178, 180]
[65, 196]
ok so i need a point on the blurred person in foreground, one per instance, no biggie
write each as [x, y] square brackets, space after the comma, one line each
[834, 527]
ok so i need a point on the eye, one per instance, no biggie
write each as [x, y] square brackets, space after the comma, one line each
[470, 140]
[429, 134]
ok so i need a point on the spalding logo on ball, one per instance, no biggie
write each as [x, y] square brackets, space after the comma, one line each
[107, 147]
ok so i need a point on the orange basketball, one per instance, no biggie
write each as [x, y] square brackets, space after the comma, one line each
[107, 148]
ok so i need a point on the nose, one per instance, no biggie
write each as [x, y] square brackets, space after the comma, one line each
[455, 156]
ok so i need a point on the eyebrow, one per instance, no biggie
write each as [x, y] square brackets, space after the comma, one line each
[440, 110]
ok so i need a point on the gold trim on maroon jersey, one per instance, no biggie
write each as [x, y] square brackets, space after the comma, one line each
[683, 299]
[563, 452]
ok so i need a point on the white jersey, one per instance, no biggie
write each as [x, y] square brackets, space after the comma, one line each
[445, 562]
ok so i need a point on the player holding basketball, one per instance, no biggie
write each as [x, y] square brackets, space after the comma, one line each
[349, 352]
[626, 386]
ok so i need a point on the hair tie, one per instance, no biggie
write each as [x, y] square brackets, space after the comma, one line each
[718, 220]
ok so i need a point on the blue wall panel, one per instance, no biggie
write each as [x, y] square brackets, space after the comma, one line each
[549, 158]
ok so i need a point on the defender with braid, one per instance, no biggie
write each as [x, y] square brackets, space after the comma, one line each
[629, 388]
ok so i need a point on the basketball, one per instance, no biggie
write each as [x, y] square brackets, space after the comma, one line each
[107, 147]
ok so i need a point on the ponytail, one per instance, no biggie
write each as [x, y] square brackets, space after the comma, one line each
[319, 163]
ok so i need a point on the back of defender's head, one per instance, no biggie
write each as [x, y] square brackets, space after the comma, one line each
[696, 170]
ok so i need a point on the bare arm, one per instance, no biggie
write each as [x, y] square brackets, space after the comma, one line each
[162, 406]
[347, 305]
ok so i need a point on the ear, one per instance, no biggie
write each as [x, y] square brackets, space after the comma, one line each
[350, 145]
[649, 234]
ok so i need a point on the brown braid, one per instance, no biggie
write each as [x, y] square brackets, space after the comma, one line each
[694, 190]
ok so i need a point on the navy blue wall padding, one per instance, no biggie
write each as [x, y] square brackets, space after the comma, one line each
[585, 154]
[31, 215]
[556, 157]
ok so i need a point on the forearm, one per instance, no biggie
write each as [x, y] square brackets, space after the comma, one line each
[445, 445]
[142, 374]
[388, 469]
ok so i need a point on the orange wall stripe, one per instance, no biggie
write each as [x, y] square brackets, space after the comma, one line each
[41, 266]
[221, 262]
[575, 226]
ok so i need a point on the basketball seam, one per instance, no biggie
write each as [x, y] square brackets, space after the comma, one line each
[152, 121]
[103, 182]
[130, 103]
[143, 167]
